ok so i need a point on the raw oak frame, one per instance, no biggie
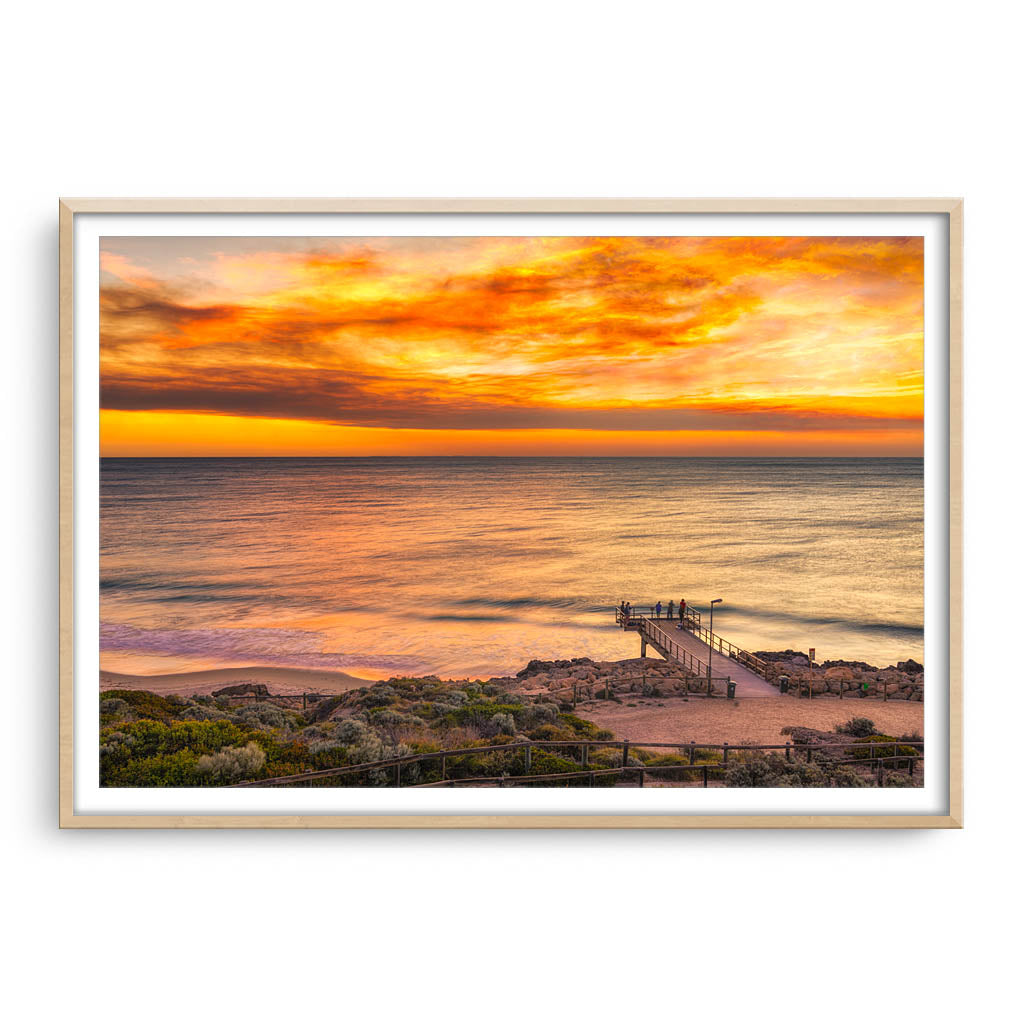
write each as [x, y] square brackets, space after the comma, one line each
[951, 207]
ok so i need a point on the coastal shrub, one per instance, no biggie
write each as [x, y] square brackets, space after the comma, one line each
[203, 712]
[605, 757]
[503, 723]
[543, 762]
[178, 769]
[353, 730]
[664, 760]
[771, 772]
[388, 718]
[321, 746]
[580, 726]
[479, 713]
[378, 697]
[114, 707]
[263, 715]
[774, 772]
[898, 780]
[548, 731]
[231, 764]
[143, 704]
[857, 727]
[148, 738]
[847, 778]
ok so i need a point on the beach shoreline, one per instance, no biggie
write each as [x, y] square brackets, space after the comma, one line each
[282, 681]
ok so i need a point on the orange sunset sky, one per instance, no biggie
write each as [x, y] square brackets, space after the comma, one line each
[511, 346]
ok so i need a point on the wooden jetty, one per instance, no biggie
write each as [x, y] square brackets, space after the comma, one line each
[687, 643]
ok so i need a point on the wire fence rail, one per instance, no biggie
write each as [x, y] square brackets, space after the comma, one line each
[870, 756]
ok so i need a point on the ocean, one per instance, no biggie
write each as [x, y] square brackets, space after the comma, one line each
[472, 566]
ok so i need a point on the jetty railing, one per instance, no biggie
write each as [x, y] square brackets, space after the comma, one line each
[652, 630]
[662, 638]
[690, 620]
[690, 751]
[715, 642]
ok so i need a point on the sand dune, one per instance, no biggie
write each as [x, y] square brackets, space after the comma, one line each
[278, 680]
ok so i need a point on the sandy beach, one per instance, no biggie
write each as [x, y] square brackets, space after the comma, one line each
[746, 721]
[280, 680]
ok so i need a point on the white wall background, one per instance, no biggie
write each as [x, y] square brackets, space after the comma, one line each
[562, 99]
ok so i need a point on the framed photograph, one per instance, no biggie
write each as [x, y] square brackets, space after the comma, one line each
[510, 513]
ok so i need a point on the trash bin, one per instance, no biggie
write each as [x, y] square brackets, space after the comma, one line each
[730, 688]
[783, 684]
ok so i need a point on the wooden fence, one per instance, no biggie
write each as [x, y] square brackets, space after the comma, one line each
[689, 750]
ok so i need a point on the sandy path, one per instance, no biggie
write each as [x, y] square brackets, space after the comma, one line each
[755, 721]
[278, 680]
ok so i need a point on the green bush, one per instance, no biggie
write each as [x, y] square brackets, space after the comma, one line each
[543, 762]
[885, 746]
[580, 726]
[232, 764]
[164, 770]
[857, 727]
[143, 704]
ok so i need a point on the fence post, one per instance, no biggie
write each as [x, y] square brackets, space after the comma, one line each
[444, 766]
[789, 751]
[693, 752]
[398, 774]
[625, 752]
[529, 758]
[705, 772]
[585, 754]
[642, 774]
[808, 754]
[725, 753]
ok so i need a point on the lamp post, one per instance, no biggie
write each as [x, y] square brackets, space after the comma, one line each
[711, 638]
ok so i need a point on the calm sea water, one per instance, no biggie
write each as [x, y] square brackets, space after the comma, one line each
[472, 566]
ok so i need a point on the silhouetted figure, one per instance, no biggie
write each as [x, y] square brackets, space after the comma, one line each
[657, 610]
[671, 609]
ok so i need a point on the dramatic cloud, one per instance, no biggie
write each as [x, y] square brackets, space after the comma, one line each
[494, 334]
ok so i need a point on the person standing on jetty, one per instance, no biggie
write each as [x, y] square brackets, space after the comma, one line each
[671, 607]
[682, 608]
[657, 610]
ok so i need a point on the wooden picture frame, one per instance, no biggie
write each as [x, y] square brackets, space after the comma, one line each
[950, 210]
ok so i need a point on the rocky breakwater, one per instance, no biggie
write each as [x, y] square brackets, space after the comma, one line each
[587, 679]
[902, 681]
